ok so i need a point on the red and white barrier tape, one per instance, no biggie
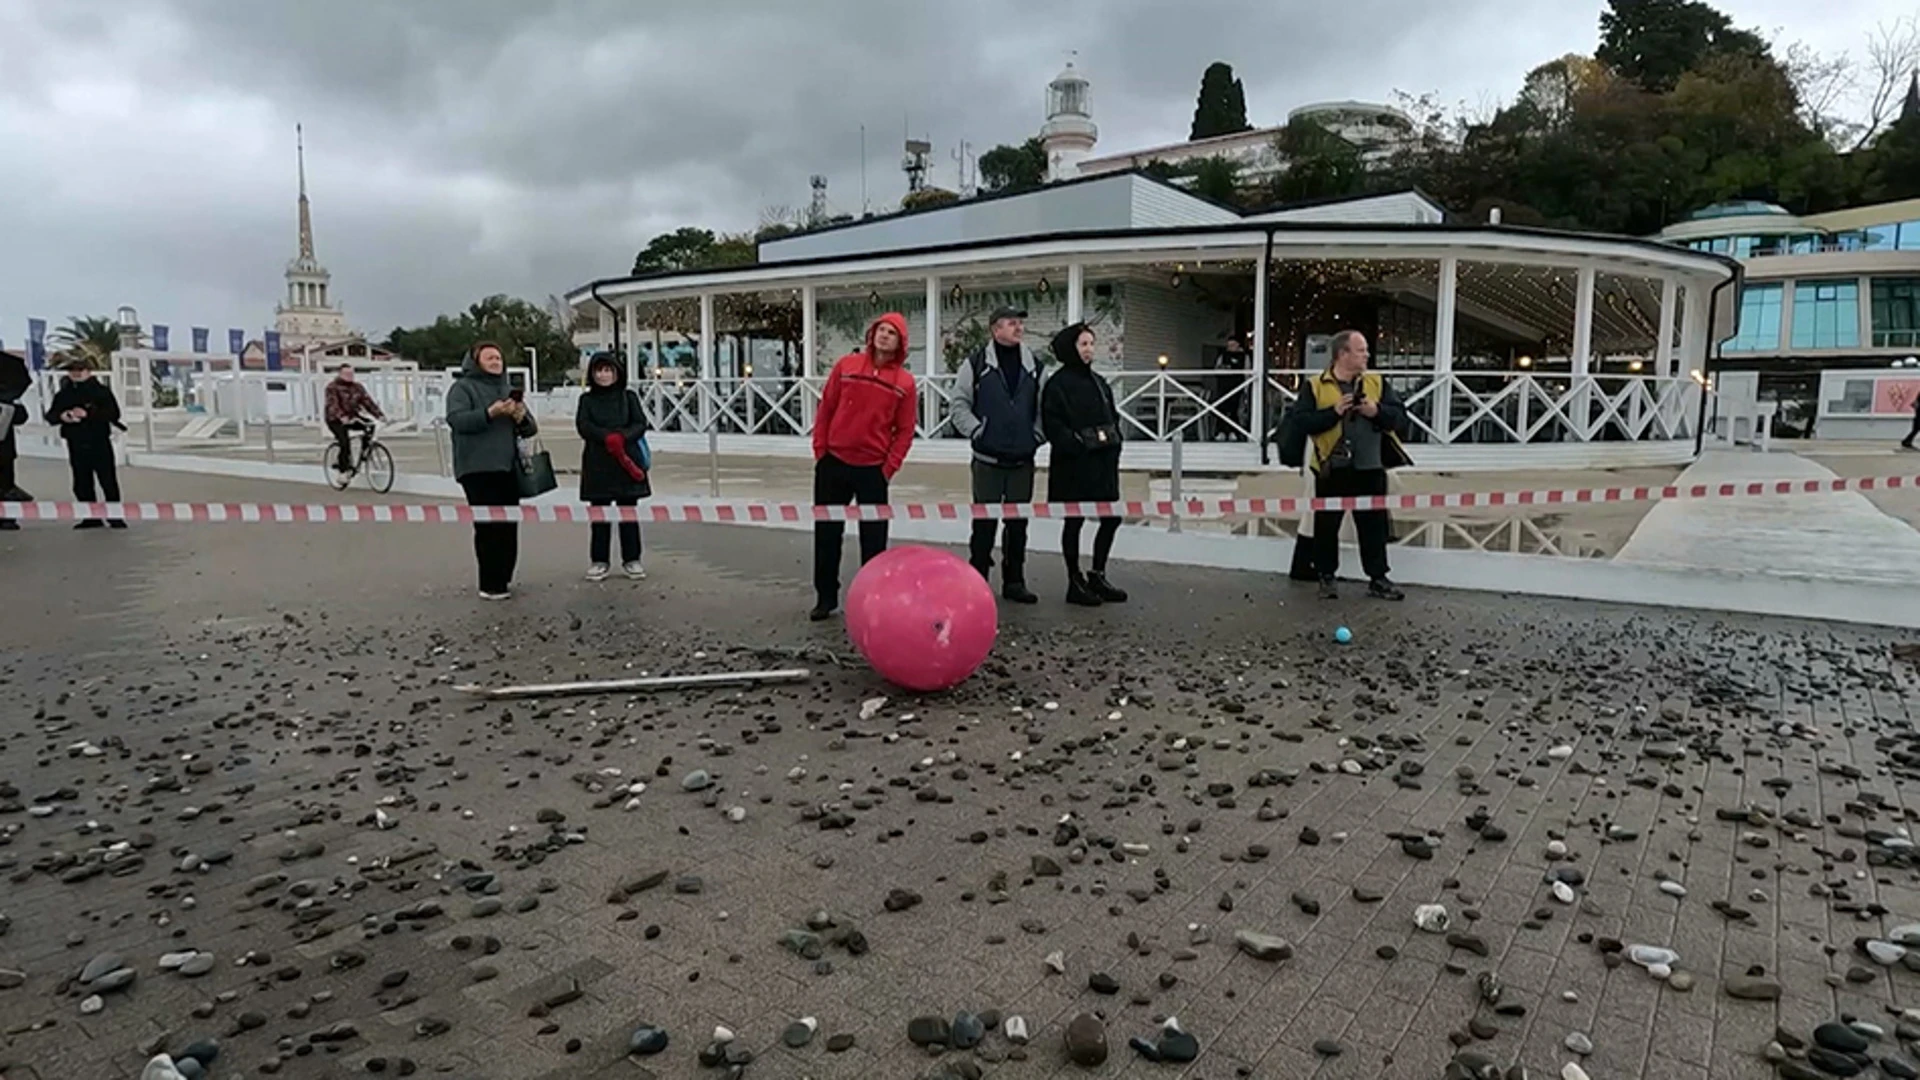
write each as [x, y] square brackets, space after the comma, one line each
[715, 512]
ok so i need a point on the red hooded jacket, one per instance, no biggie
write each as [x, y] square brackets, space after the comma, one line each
[869, 406]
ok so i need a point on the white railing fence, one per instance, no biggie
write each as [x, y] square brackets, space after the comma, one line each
[1217, 406]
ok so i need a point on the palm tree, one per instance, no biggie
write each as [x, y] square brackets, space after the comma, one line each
[95, 337]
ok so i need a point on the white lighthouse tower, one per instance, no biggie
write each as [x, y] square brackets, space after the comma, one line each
[1069, 133]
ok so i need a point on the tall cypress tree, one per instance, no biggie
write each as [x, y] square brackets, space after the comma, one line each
[1222, 108]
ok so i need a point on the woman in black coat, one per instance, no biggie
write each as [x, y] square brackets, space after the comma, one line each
[1083, 429]
[613, 424]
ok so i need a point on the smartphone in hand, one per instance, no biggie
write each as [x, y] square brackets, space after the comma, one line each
[517, 394]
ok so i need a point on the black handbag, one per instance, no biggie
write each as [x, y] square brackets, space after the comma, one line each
[535, 474]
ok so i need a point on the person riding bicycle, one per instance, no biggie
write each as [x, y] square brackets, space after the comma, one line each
[347, 403]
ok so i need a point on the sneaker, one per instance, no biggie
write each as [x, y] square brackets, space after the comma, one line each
[822, 611]
[116, 523]
[1079, 594]
[1329, 590]
[597, 572]
[485, 595]
[9, 525]
[1018, 592]
[1384, 589]
[1104, 589]
[91, 523]
[634, 570]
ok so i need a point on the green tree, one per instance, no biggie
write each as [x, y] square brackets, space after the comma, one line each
[1217, 178]
[94, 337]
[926, 197]
[682, 249]
[1655, 42]
[526, 332]
[1318, 164]
[1222, 107]
[1894, 164]
[1014, 168]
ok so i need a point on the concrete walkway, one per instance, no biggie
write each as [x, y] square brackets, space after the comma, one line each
[1839, 537]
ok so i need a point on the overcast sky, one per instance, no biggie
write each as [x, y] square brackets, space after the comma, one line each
[461, 147]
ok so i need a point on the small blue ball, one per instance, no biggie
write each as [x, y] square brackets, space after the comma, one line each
[1343, 635]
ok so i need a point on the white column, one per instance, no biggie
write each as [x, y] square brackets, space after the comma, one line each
[708, 388]
[1076, 285]
[1864, 302]
[633, 340]
[929, 400]
[1663, 346]
[1693, 329]
[809, 331]
[1579, 403]
[1583, 322]
[1447, 302]
[1257, 397]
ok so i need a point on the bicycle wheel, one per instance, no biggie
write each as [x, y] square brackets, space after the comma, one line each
[378, 467]
[338, 481]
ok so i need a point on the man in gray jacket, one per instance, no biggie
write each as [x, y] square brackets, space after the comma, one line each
[997, 407]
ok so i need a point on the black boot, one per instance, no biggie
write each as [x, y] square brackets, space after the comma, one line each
[1078, 592]
[1102, 588]
[1013, 566]
[1329, 589]
[1383, 588]
[823, 610]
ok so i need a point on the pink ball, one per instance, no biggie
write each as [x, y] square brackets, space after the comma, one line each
[923, 618]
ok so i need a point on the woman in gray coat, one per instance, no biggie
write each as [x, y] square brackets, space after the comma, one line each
[487, 418]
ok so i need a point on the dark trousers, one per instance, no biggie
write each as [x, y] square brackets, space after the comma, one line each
[9, 481]
[836, 483]
[496, 545]
[1102, 543]
[343, 442]
[600, 540]
[1001, 484]
[1915, 433]
[1372, 525]
[91, 461]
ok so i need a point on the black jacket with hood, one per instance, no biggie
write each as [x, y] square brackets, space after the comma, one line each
[604, 411]
[1075, 401]
[483, 443]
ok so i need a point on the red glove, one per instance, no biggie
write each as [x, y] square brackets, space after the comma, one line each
[617, 446]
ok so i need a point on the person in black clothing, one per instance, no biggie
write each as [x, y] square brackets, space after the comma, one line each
[1230, 369]
[1353, 421]
[14, 383]
[87, 412]
[1083, 427]
[612, 422]
[1907, 443]
[996, 406]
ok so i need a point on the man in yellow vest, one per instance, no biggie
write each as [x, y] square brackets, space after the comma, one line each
[1353, 422]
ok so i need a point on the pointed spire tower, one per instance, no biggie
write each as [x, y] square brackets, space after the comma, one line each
[308, 315]
[306, 212]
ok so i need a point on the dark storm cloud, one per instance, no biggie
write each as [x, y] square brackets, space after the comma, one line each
[458, 147]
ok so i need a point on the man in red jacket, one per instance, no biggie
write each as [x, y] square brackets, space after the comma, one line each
[861, 435]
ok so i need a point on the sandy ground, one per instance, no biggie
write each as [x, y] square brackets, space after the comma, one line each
[247, 741]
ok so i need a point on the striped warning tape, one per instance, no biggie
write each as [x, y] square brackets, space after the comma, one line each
[717, 512]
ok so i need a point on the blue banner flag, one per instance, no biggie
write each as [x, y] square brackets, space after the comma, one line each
[36, 343]
[200, 339]
[159, 338]
[273, 350]
[236, 341]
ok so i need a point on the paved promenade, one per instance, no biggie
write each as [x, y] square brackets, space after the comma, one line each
[245, 742]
